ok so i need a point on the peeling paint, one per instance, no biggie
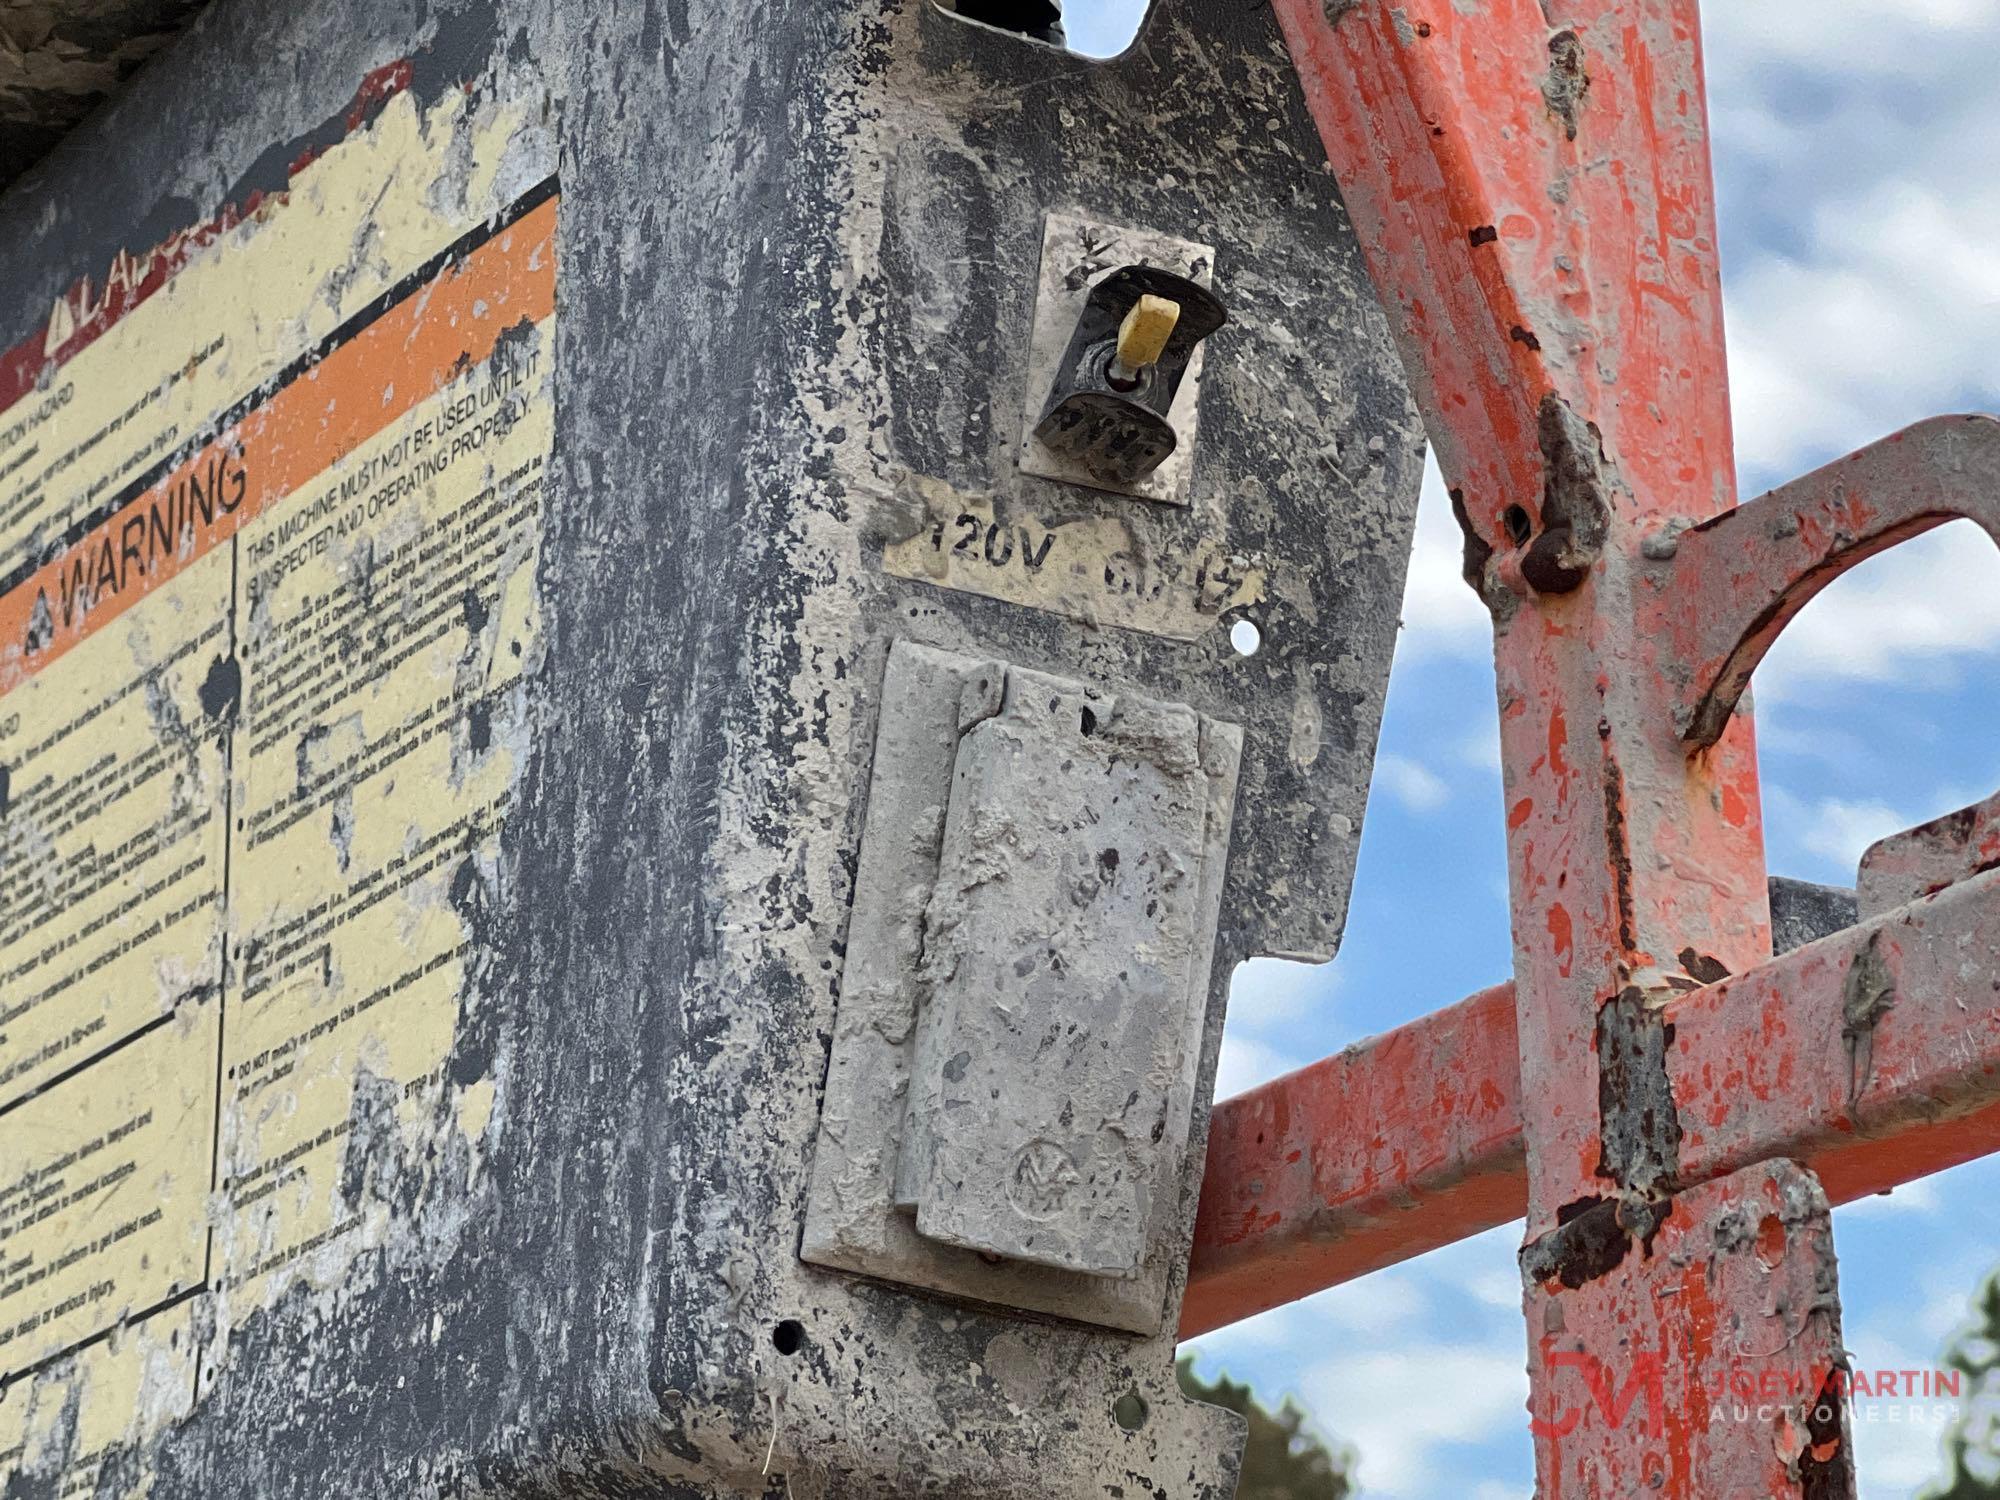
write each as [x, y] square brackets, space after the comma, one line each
[1576, 502]
[1867, 996]
[1567, 81]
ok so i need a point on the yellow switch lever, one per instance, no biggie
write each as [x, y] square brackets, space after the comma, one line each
[1142, 337]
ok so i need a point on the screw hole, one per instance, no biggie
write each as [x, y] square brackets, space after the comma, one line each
[789, 1337]
[1519, 527]
[1245, 637]
[1088, 723]
[1130, 1410]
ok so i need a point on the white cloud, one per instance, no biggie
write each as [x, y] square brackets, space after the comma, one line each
[1834, 832]
[1918, 613]
[1228, 1348]
[1919, 1197]
[1404, 1408]
[1888, 316]
[1892, 318]
[1501, 1286]
[1862, 273]
[1411, 783]
[1950, 1283]
[1441, 614]
[1480, 751]
[1464, 1262]
[1233, 1347]
[1246, 1063]
[1807, 735]
[1374, 1305]
[1857, 37]
[1897, 1447]
[1841, 831]
[1268, 993]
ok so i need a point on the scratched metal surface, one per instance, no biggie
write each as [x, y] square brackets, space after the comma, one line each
[797, 251]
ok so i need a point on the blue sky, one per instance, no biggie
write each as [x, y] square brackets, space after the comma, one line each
[1856, 143]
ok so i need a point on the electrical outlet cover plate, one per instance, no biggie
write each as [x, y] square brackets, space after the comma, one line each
[1015, 1057]
[1076, 255]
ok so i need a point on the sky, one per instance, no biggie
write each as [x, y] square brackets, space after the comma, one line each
[1856, 143]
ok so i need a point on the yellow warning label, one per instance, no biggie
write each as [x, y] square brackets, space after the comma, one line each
[267, 555]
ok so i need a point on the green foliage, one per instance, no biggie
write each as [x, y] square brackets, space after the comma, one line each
[1973, 1444]
[1283, 1461]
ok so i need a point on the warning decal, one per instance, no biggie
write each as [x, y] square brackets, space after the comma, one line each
[267, 602]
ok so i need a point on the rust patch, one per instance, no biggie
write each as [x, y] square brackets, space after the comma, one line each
[1620, 857]
[1591, 1239]
[1868, 995]
[1705, 967]
[1640, 1145]
[1567, 82]
[1587, 1243]
[1576, 505]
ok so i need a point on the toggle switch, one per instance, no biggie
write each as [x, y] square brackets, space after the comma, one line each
[1116, 352]
[1142, 337]
[1109, 413]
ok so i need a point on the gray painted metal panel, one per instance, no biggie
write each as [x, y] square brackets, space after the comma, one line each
[797, 261]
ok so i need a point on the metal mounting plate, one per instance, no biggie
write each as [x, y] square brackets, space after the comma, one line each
[1076, 255]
